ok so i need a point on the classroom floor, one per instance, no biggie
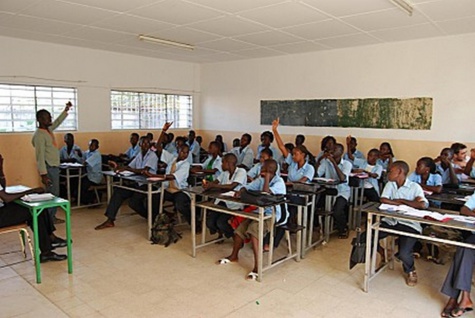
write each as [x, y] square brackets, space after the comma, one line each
[118, 273]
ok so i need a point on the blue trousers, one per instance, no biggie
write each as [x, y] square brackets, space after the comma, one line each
[53, 188]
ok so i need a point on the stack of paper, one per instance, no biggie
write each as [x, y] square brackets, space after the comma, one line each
[71, 165]
[125, 173]
[323, 179]
[424, 214]
[35, 197]
[228, 194]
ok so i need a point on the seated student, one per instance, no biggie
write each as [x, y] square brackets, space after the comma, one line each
[267, 138]
[401, 191]
[232, 178]
[469, 168]
[285, 166]
[459, 160]
[333, 166]
[445, 167]
[180, 142]
[374, 171]
[169, 144]
[255, 171]
[203, 152]
[458, 282]
[93, 162]
[131, 152]
[14, 214]
[223, 146]
[165, 158]
[299, 169]
[244, 152]
[236, 142]
[194, 146]
[327, 144]
[71, 152]
[426, 175]
[177, 174]
[299, 140]
[249, 229]
[386, 156]
[351, 152]
[212, 164]
[145, 161]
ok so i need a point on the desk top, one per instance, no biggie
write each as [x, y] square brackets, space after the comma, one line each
[451, 198]
[50, 203]
[134, 177]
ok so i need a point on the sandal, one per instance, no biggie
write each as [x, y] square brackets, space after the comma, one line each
[447, 312]
[223, 261]
[252, 276]
[460, 311]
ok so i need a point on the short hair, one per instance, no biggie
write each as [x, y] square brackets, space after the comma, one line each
[268, 134]
[401, 165]
[271, 165]
[429, 162]
[231, 158]
[457, 146]
[217, 144]
[142, 139]
[300, 136]
[41, 113]
[267, 151]
[170, 136]
[236, 142]
[95, 141]
[135, 135]
[340, 146]
[374, 150]
[150, 135]
[192, 132]
[353, 139]
[180, 138]
[290, 146]
[325, 141]
[447, 149]
[249, 137]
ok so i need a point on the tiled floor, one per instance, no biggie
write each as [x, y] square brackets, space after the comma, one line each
[118, 273]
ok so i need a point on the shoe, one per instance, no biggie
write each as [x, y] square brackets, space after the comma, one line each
[105, 225]
[51, 256]
[411, 279]
[459, 311]
[57, 221]
[58, 242]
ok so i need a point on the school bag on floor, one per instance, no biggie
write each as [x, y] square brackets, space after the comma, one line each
[163, 231]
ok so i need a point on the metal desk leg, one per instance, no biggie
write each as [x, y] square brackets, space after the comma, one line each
[260, 247]
[79, 187]
[149, 209]
[36, 241]
[375, 246]
[312, 216]
[299, 247]
[367, 271]
[270, 255]
[67, 212]
[109, 188]
[303, 246]
[68, 184]
[193, 224]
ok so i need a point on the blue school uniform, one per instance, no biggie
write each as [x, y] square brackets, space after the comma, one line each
[384, 163]
[276, 186]
[295, 173]
[445, 174]
[256, 171]
[377, 169]
[93, 160]
[276, 154]
[245, 156]
[216, 164]
[433, 180]
[357, 154]
[132, 151]
[327, 170]
[64, 155]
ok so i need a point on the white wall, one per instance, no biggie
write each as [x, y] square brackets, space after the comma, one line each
[442, 68]
[94, 73]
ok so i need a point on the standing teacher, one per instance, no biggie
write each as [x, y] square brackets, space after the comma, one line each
[47, 153]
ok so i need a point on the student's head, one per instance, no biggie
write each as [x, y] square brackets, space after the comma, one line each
[214, 148]
[460, 151]
[245, 140]
[183, 152]
[267, 138]
[69, 139]
[236, 142]
[299, 139]
[425, 165]
[93, 145]
[266, 154]
[353, 144]
[170, 136]
[144, 144]
[191, 136]
[328, 143]
[134, 139]
[180, 142]
[229, 162]
[219, 138]
[385, 148]
[447, 153]
[373, 156]
[199, 140]
[289, 146]
[338, 151]
[44, 118]
[269, 166]
[398, 171]
[150, 136]
[299, 153]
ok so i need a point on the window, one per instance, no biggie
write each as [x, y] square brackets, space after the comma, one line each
[19, 104]
[133, 110]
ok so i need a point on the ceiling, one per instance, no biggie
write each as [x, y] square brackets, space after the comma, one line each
[226, 30]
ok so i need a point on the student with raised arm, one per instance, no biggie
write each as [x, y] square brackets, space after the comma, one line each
[146, 160]
[70, 152]
[445, 167]
[458, 282]
[351, 152]
[333, 166]
[299, 169]
[469, 169]
[426, 176]
[232, 178]
[47, 153]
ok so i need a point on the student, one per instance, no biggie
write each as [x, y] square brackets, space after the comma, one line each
[268, 182]
[180, 142]
[223, 146]
[14, 214]
[255, 171]
[232, 178]
[401, 191]
[460, 155]
[285, 166]
[267, 138]
[145, 161]
[351, 152]
[326, 145]
[177, 174]
[133, 150]
[244, 152]
[458, 282]
[236, 142]
[213, 164]
[386, 156]
[194, 146]
[445, 167]
[170, 144]
[299, 169]
[70, 152]
[299, 140]
[426, 175]
[469, 169]
[203, 152]
[374, 171]
[333, 166]
[93, 162]
[47, 154]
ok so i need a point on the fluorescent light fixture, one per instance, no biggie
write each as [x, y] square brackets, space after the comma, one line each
[404, 5]
[165, 42]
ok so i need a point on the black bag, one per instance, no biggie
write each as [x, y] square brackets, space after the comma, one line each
[305, 187]
[163, 231]
[358, 251]
[260, 198]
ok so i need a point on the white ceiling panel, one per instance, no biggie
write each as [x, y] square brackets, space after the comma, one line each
[185, 35]
[114, 5]
[39, 25]
[229, 26]
[339, 8]
[408, 33]
[16, 6]
[323, 29]
[176, 12]
[458, 26]
[235, 6]
[227, 45]
[284, 15]
[349, 41]
[269, 38]
[440, 10]
[97, 34]
[259, 52]
[301, 47]
[133, 24]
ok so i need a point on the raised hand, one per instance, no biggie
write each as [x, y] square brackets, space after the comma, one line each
[472, 153]
[68, 106]
[167, 125]
[275, 123]
[348, 139]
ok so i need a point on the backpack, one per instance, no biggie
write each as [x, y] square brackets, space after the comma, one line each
[163, 231]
